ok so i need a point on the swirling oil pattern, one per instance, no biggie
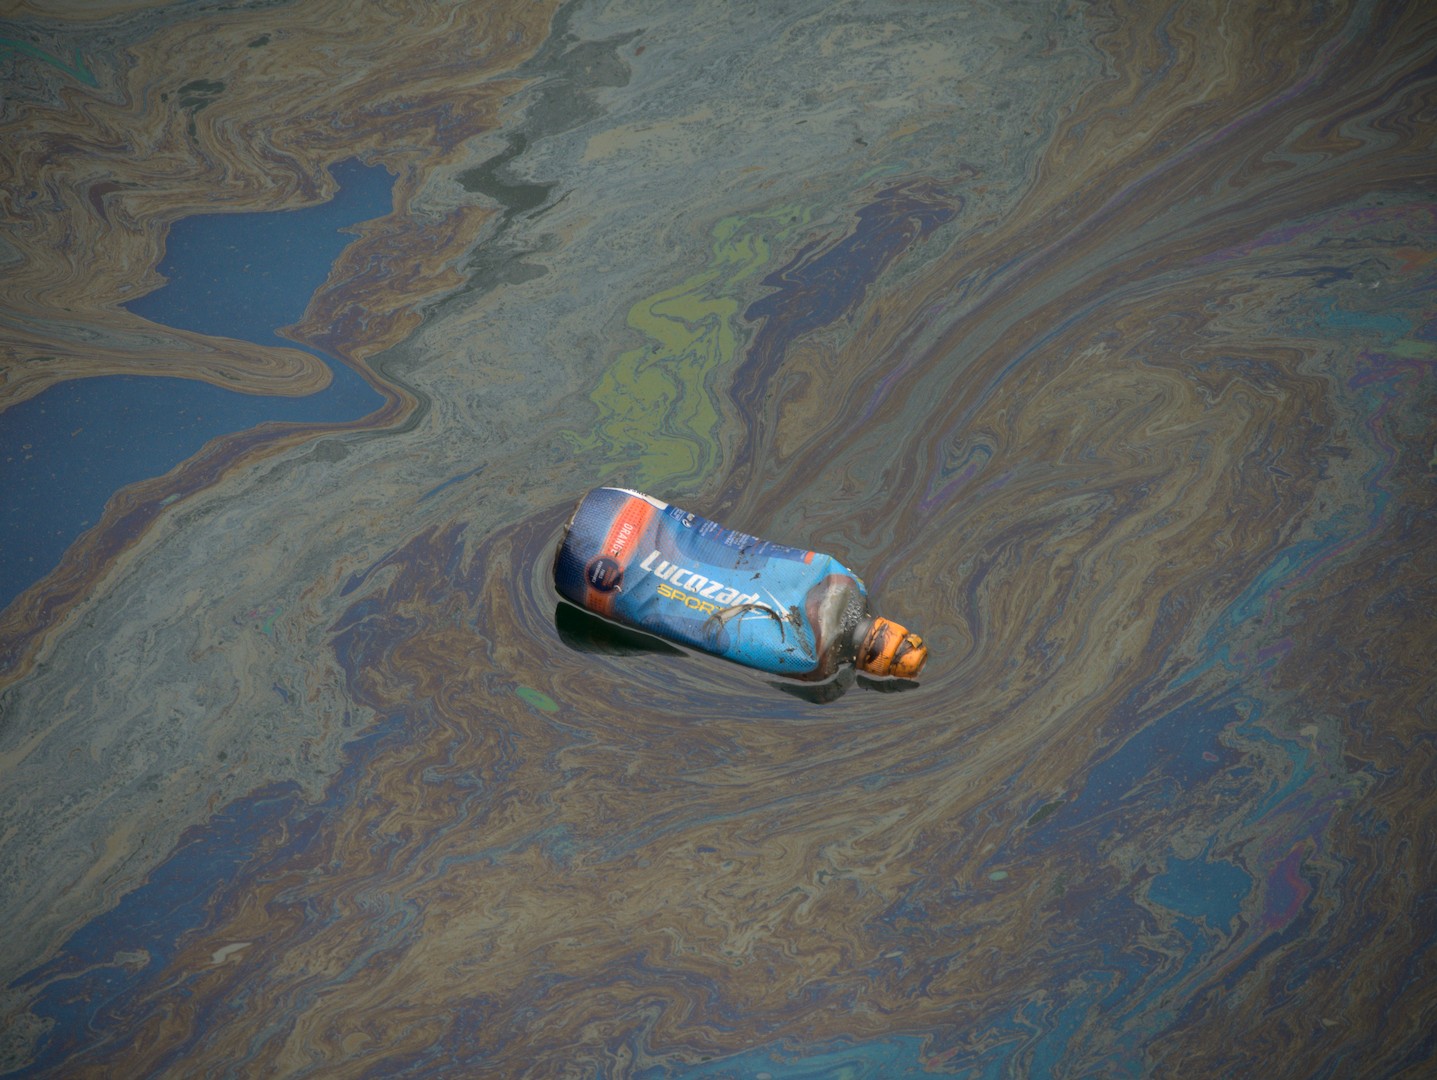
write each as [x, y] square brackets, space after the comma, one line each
[1098, 338]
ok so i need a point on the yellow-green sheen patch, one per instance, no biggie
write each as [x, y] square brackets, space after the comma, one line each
[538, 699]
[658, 421]
[1413, 349]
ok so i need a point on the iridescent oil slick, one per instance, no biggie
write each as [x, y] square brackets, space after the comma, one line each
[1099, 339]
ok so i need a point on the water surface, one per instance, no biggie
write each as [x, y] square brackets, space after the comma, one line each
[1098, 340]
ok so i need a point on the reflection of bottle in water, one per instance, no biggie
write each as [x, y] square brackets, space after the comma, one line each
[784, 610]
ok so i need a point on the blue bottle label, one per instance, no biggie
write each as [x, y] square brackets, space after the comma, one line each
[672, 573]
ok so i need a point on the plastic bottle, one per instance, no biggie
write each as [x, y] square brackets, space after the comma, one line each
[643, 563]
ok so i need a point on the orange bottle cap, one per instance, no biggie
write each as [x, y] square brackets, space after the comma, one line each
[889, 649]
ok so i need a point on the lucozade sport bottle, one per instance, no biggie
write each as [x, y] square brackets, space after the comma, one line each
[643, 563]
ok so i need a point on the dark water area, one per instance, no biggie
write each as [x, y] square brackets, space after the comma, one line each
[65, 451]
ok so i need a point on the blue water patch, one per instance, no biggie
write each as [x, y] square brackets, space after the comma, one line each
[878, 1059]
[246, 275]
[1169, 756]
[65, 451]
[84, 988]
[92, 983]
[1201, 888]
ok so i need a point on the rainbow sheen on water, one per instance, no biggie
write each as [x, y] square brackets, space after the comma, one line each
[1098, 339]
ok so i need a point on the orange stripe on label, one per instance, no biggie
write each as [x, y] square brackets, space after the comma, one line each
[626, 529]
[629, 524]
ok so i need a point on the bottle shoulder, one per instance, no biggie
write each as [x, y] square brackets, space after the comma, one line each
[837, 609]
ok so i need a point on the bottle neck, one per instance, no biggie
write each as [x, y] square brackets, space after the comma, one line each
[860, 633]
